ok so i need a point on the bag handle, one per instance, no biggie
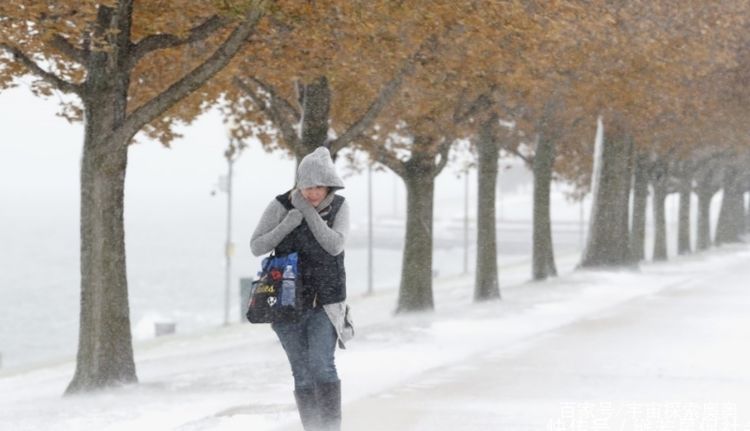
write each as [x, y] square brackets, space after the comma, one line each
[266, 265]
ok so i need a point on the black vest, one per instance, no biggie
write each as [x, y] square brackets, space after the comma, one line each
[322, 274]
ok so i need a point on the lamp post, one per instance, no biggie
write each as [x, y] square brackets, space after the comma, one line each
[369, 231]
[466, 220]
[232, 153]
[581, 225]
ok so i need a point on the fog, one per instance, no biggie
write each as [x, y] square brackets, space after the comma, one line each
[523, 363]
[175, 219]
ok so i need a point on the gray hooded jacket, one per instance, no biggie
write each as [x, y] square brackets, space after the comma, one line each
[315, 169]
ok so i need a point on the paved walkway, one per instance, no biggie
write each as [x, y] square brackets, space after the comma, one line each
[674, 360]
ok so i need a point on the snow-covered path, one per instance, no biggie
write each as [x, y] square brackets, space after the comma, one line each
[667, 343]
[676, 359]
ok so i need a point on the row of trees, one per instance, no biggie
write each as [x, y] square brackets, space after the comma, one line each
[401, 81]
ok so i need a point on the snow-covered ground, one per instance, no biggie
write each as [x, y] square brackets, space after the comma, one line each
[175, 228]
[516, 364]
[175, 234]
[662, 348]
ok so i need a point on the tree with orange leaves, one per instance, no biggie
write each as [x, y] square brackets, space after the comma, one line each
[454, 93]
[329, 73]
[131, 64]
[379, 74]
[642, 86]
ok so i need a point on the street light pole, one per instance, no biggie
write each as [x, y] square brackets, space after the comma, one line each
[369, 231]
[581, 225]
[500, 192]
[225, 185]
[466, 220]
[395, 196]
[229, 245]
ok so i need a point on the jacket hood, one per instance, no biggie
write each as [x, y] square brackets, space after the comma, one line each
[317, 169]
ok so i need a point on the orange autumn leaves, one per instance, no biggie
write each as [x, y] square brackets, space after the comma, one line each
[656, 63]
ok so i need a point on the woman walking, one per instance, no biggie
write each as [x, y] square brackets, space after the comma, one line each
[313, 221]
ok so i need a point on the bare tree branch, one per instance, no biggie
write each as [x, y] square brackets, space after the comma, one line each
[34, 68]
[481, 103]
[278, 100]
[380, 154]
[155, 107]
[514, 150]
[443, 152]
[161, 41]
[385, 95]
[69, 50]
[280, 121]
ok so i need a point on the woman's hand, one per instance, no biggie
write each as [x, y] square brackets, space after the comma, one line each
[293, 217]
[299, 202]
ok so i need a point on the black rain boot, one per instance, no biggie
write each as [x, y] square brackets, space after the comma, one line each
[307, 405]
[329, 402]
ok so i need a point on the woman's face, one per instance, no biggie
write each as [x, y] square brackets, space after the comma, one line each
[315, 195]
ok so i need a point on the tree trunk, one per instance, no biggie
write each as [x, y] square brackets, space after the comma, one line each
[105, 348]
[705, 192]
[315, 100]
[105, 352]
[660, 220]
[315, 104]
[683, 229]
[608, 233]
[640, 203]
[543, 257]
[486, 285]
[732, 216]
[704, 219]
[415, 291]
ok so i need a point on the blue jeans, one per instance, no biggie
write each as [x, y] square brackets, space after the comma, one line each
[309, 344]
